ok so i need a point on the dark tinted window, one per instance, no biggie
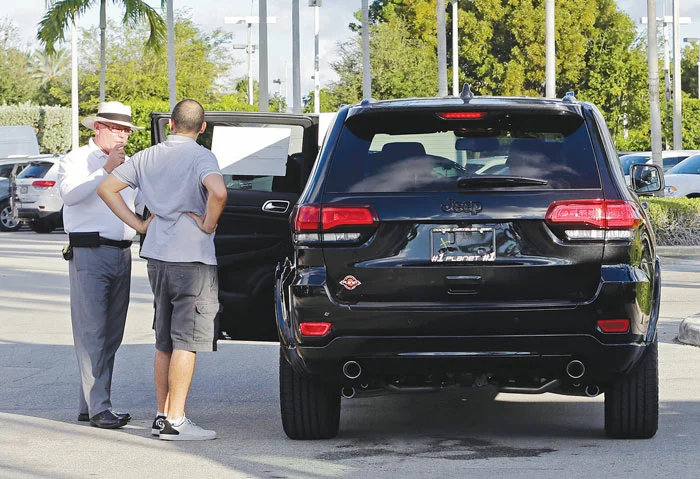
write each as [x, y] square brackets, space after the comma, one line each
[418, 151]
[689, 166]
[35, 170]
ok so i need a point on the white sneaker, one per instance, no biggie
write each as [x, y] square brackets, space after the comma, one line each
[187, 431]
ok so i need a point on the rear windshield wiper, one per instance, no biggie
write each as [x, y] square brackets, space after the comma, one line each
[497, 180]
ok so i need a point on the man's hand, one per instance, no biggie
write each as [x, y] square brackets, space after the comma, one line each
[143, 227]
[201, 222]
[115, 158]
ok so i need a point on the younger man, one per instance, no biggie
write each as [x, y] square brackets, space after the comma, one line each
[183, 188]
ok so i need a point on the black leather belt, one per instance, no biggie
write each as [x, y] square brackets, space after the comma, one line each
[118, 244]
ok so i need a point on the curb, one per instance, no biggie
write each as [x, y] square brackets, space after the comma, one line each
[689, 331]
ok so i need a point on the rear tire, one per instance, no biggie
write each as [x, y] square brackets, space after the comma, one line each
[42, 226]
[632, 401]
[7, 221]
[310, 409]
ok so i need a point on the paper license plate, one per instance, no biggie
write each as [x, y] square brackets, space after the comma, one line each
[462, 244]
[23, 189]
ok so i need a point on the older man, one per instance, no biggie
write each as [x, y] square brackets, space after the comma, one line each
[99, 259]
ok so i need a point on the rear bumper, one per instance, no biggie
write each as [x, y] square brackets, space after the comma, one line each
[506, 339]
[500, 356]
[25, 213]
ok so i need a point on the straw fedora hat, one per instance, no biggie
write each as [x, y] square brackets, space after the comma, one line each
[112, 112]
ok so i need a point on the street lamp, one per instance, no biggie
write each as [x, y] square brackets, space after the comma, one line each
[250, 47]
[695, 40]
[455, 47]
[317, 80]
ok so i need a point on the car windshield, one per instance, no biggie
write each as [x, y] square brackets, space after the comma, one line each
[628, 160]
[419, 151]
[689, 166]
[36, 170]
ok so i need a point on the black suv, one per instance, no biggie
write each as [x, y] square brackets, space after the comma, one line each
[470, 241]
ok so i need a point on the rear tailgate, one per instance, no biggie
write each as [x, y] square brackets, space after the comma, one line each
[444, 233]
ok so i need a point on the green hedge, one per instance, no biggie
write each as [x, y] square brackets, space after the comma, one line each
[676, 221]
[51, 124]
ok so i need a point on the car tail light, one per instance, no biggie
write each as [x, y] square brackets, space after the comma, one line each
[313, 223]
[614, 325]
[595, 219]
[462, 115]
[315, 328]
[43, 183]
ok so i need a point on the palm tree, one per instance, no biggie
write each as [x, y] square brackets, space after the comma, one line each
[58, 19]
[47, 67]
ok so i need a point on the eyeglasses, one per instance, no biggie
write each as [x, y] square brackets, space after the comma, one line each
[117, 128]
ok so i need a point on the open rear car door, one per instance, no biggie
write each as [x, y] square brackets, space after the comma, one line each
[275, 154]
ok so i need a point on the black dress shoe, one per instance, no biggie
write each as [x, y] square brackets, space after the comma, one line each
[108, 420]
[85, 417]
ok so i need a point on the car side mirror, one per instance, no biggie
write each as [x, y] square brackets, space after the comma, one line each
[646, 178]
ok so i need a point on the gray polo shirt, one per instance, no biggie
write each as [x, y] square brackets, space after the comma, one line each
[170, 176]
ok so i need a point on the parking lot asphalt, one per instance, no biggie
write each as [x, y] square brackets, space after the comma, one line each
[456, 433]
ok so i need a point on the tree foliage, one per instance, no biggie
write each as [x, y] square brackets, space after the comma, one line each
[502, 52]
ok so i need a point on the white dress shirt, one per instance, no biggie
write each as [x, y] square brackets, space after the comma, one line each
[80, 172]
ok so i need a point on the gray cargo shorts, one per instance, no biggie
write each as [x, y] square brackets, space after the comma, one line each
[186, 302]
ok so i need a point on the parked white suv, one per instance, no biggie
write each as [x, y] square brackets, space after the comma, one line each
[38, 201]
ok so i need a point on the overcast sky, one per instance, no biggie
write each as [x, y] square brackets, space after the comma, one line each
[335, 16]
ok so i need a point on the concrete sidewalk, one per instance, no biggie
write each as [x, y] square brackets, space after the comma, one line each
[686, 258]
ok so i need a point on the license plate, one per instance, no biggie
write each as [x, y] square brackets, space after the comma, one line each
[23, 189]
[462, 244]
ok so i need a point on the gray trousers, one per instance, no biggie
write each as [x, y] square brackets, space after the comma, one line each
[100, 282]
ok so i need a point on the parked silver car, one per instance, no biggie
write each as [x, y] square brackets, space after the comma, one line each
[38, 201]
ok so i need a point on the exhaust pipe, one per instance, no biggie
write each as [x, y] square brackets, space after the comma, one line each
[347, 392]
[575, 369]
[352, 369]
[592, 390]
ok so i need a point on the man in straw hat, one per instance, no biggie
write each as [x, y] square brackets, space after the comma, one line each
[99, 257]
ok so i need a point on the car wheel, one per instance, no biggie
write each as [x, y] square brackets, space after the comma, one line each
[310, 409]
[42, 226]
[632, 401]
[7, 221]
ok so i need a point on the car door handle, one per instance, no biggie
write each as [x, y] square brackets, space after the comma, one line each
[276, 206]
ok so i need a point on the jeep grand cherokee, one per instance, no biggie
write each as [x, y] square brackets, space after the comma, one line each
[414, 268]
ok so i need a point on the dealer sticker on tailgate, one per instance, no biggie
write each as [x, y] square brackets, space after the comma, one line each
[462, 244]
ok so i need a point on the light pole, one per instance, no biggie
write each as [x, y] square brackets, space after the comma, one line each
[250, 47]
[676, 21]
[550, 55]
[366, 73]
[317, 80]
[695, 40]
[278, 81]
[441, 47]
[455, 51]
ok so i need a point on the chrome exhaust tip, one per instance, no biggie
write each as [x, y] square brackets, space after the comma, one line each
[592, 390]
[352, 369]
[347, 392]
[575, 369]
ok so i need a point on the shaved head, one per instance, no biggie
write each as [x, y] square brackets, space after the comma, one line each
[188, 116]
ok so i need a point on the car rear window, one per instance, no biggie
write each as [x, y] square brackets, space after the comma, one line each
[36, 170]
[419, 151]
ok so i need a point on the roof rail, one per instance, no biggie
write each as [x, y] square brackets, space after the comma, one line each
[368, 101]
[466, 92]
